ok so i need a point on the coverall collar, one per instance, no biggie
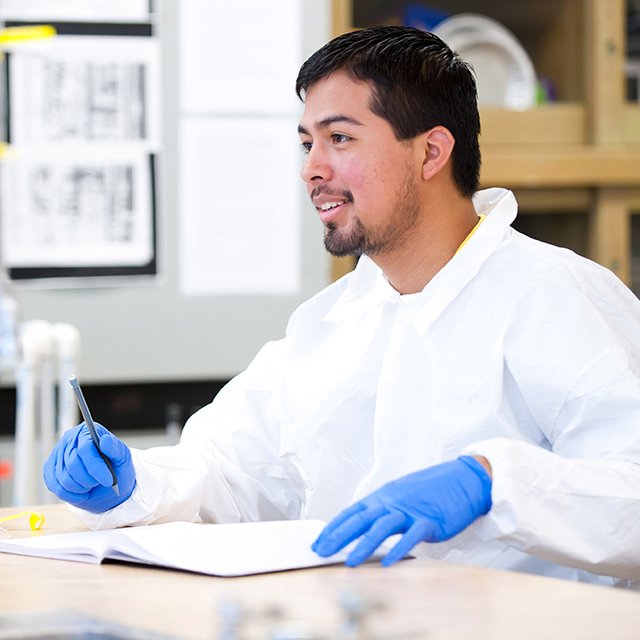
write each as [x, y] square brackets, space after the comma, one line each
[368, 288]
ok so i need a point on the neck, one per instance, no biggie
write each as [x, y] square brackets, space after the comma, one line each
[427, 249]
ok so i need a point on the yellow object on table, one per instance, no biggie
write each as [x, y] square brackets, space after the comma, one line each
[36, 520]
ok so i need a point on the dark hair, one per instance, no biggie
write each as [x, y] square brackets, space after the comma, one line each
[417, 83]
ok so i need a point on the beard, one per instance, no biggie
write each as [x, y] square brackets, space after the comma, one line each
[345, 243]
[386, 237]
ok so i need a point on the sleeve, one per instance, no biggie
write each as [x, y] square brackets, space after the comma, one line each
[227, 466]
[574, 358]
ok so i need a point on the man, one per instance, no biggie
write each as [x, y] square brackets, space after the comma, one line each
[465, 385]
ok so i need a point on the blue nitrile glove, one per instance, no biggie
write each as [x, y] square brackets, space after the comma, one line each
[75, 472]
[431, 505]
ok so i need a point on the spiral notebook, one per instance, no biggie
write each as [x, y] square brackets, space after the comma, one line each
[215, 549]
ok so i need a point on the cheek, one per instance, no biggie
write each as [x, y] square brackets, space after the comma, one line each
[364, 178]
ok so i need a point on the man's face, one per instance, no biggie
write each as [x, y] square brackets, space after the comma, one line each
[361, 179]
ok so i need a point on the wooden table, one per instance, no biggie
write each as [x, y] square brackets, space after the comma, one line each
[416, 599]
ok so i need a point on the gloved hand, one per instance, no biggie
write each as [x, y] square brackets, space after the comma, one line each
[431, 505]
[75, 472]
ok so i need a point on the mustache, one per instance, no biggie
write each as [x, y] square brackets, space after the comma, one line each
[324, 190]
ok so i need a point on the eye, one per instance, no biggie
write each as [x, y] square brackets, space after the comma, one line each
[305, 146]
[340, 137]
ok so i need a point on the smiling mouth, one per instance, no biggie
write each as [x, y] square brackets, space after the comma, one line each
[327, 206]
[324, 200]
[328, 212]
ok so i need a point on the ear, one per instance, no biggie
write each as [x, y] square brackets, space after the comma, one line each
[438, 146]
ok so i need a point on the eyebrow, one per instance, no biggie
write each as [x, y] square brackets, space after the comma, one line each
[329, 120]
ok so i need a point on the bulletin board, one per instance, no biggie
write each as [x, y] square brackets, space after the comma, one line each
[82, 123]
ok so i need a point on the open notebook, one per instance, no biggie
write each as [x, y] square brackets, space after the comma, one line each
[215, 549]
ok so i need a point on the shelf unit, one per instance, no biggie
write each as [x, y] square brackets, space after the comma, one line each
[579, 155]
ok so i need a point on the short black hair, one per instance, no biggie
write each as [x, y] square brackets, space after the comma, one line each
[418, 83]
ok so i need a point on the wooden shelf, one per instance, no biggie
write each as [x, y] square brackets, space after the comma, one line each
[552, 124]
[583, 150]
[560, 167]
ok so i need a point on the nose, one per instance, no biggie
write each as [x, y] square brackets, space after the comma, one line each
[316, 167]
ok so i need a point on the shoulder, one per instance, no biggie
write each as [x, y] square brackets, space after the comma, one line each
[544, 267]
[567, 304]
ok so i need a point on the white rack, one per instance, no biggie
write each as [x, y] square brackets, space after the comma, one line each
[45, 405]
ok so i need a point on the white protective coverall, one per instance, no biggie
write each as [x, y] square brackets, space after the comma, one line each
[518, 351]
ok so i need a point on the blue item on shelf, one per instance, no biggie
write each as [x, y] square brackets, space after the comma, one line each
[421, 17]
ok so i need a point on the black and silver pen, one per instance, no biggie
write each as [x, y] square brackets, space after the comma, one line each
[86, 414]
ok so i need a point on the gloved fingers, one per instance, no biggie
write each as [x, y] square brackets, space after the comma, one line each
[57, 479]
[63, 472]
[95, 466]
[116, 450]
[346, 527]
[63, 480]
[76, 473]
[72, 474]
[388, 525]
[343, 516]
[419, 531]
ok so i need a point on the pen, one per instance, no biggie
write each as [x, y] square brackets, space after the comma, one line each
[86, 414]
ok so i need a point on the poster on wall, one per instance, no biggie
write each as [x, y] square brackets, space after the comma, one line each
[78, 214]
[239, 224]
[235, 240]
[82, 122]
[249, 49]
[85, 90]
